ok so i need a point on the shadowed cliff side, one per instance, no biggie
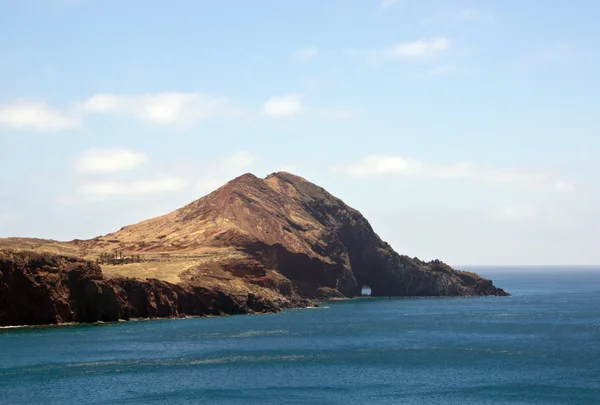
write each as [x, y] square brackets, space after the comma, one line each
[42, 288]
[324, 246]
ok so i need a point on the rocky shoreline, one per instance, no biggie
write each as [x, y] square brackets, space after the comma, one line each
[46, 289]
[39, 289]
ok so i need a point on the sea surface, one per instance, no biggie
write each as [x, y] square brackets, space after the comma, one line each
[541, 346]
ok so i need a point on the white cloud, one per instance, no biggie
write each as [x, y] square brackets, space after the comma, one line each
[160, 108]
[357, 52]
[443, 69]
[376, 164]
[109, 160]
[517, 211]
[475, 15]
[305, 54]
[562, 185]
[557, 51]
[209, 184]
[341, 113]
[226, 168]
[463, 16]
[105, 189]
[401, 166]
[119, 159]
[35, 116]
[287, 169]
[388, 3]
[284, 105]
[165, 108]
[420, 49]
[549, 54]
[238, 161]
[7, 218]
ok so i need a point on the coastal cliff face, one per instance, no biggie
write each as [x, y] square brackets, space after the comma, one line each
[341, 251]
[40, 289]
[253, 245]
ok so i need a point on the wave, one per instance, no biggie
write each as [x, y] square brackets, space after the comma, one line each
[255, 333]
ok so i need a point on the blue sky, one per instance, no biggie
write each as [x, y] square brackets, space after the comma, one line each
[463, 130]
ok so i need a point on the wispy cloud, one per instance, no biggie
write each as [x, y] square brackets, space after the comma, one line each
[448, 68]
[241, 160]
[100, 190]
[305, 54]
[164, 109]
[208, 185]
[385, 4]
[114, 161]
[160, 108]
[287, 168]
[340, 113]
[556, 51]
[109, 160]
[544, 55]
[421, 49]
[8, 218]
[463, 16]
[378, 165]
[283, 105]
[442, 69]
[562, 185]
[36, 116]
[226, 168]
[517, 211]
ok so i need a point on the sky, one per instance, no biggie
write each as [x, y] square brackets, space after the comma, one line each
[466, 131]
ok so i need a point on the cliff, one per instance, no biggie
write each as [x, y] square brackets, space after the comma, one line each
[43, 288]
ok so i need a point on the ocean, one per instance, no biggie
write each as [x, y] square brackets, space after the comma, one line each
[541, 346]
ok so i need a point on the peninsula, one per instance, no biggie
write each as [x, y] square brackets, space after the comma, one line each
[253, 245]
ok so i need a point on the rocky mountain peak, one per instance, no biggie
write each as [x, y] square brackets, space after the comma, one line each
[303, 232]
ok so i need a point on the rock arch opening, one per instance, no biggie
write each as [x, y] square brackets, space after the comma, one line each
[365, 291]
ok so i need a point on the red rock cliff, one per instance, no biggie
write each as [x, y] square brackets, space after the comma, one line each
[41, 288]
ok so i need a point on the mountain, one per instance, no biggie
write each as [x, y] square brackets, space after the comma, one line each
[263, 243]
[287, 224]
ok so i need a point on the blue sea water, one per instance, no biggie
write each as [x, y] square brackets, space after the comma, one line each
[541, 346]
